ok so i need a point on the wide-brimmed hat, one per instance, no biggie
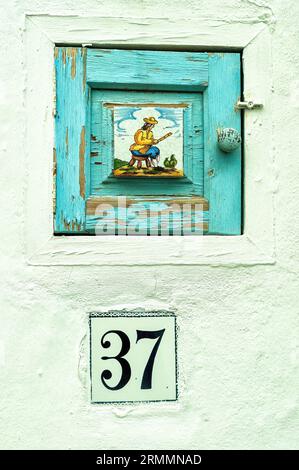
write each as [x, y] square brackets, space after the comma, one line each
[150, 120]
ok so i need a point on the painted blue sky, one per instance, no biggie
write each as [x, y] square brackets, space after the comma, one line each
[124, 114]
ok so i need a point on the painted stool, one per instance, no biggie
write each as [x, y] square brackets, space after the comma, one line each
[139, 160]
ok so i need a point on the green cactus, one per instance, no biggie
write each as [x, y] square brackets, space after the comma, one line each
[173, 161]
[166, 163]
[170, 162]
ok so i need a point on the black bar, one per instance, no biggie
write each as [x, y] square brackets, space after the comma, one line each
[140, 458]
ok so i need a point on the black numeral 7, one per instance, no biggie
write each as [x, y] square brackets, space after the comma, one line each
[146, 382]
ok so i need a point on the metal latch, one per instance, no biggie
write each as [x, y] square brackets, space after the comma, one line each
[247, 105]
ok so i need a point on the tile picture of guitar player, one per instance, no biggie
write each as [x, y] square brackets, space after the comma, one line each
[148, 141]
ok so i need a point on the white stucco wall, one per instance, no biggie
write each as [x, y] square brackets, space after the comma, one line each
[238, 337]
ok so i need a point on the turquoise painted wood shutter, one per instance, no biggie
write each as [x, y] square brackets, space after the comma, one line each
[87, 80]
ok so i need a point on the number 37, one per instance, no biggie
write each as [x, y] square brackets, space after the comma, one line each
[126, 372]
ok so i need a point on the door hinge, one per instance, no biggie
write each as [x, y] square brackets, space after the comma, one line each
[247, 105]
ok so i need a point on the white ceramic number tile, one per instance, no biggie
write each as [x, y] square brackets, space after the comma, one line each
[133, 358]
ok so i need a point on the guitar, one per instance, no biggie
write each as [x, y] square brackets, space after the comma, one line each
[145, 148]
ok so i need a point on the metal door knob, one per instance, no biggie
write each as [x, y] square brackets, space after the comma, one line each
[229, 139]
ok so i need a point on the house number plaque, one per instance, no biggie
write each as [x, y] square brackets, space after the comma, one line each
[133, 357]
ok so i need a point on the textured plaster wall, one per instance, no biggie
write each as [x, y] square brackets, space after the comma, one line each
[239, 334]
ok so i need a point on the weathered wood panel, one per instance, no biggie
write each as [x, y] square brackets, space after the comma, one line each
[72, 139]
[154, 216]
[147, 70]
[222, 171]
[217, 176]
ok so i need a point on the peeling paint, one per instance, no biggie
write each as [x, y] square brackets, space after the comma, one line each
[67, 225]
[63, 52]
[73, 70]
[84, 54]
[72, 226]
[72, 54]
[54, 158]
[82, 163]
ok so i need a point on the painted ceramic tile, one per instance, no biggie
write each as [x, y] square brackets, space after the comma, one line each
[148, 140]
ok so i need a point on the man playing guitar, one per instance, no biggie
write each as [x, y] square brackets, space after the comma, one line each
[143, 148]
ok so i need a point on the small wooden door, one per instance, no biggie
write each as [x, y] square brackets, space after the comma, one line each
[136, 142]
